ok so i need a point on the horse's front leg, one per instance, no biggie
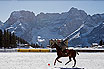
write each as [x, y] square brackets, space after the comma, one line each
[57, 60]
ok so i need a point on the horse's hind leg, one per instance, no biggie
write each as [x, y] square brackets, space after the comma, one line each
[68, 61]
[74, 61]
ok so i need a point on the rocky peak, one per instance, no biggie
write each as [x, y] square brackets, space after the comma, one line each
[20, 22]
[48, 16]
[23, 13]
[21, 16]
[73, 9]
[75, 13]
[96, 18]
[102, 16]
[1, 22]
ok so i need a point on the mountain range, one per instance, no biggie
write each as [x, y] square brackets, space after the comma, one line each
[29, 26]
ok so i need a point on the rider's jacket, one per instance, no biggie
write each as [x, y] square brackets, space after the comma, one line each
[63, 46]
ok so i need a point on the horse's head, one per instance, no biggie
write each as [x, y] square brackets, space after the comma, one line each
[54, 45]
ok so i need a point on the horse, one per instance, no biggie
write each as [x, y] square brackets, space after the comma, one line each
[70, 53]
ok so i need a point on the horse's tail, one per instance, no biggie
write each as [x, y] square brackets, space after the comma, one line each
[77, 52]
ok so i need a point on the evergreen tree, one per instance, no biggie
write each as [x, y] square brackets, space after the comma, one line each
[101, 43]
[1, 35]
[13, 41]
[7, 40]
[10, 38]
[4, 40]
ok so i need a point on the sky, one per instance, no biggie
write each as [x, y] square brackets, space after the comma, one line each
[90, 7]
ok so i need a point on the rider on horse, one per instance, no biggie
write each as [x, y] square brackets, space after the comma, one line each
[63, 46]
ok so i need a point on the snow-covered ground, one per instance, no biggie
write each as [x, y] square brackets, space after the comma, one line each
[18, 60]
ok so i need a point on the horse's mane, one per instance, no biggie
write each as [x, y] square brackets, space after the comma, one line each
[59, 48]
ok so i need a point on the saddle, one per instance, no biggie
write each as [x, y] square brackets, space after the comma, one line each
[66, 51]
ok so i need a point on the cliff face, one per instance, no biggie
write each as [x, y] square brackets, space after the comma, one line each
[54, 25]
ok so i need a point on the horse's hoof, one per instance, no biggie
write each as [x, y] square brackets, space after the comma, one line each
[60, 62]
[54, 64]
[66, 64]
[73, 66]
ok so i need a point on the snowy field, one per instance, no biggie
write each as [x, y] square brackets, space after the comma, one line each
[18, 60]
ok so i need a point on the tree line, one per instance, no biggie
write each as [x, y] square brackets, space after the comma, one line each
[101, 42]
[10, 40]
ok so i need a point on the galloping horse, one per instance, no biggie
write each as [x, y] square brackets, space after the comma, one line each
[70, 53]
